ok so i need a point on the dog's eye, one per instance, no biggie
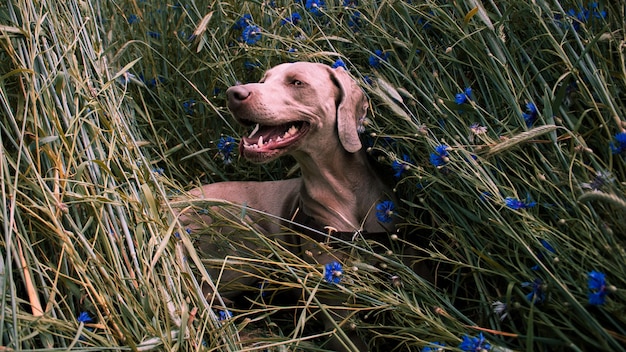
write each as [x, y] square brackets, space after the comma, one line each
[297, 82]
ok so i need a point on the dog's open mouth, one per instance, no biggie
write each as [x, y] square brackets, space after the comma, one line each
[264, 142]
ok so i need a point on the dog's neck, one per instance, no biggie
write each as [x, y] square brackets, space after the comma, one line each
[329, 190]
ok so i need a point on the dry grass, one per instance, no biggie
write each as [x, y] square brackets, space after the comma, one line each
[109, 109]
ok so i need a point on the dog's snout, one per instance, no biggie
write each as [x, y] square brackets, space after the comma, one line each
[236, 95]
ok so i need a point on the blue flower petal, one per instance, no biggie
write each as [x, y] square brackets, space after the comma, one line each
[251, 35]
[333, 272]
[434, 347]
[597, 280]
[84, 317]
[439, 157]
[474, 343]
[339, 63]
[618, 146]
[384, 211]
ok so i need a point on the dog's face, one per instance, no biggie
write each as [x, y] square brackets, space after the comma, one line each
[298, 107]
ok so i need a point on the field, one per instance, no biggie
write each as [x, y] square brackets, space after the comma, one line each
[500, 123]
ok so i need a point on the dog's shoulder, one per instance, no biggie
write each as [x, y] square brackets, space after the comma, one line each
[277, 198]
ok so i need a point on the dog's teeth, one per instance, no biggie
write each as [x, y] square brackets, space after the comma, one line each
[254, 131]
[291, 131]
[260, 142]
[279, 138]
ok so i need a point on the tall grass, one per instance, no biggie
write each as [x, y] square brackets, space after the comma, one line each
[513, 189]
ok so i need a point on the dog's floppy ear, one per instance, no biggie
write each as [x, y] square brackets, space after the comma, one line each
[351, 109]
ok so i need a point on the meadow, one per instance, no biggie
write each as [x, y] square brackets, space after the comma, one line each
[500, 123]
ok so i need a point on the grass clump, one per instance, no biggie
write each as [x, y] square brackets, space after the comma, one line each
[501, 123]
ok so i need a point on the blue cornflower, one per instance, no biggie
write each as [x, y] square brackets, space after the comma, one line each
[294, 19]
[500, 309]
[425, 22]
[434, 347]
[558, 19]
[484, 196]
[597, 13]
[225, 147]
[132, 19]
[188, 106]
[249, 65]
[517, 204]
[618, 146]
[333, 272]
[583, 15]
[462, 98]
[477, 129]
[540, 255]
[575, 24]
[125, 78]
[384, 211]
[597, 288]
[243, 22]
[225, 315]
[153, 82]
[400, 166]
[262, 286]
[537, 295]
[547, 245]
[155, 35]
[440, 156]
[350, 3]
[339, 63]
[183, 35]
[159, 171]
[597, 281]
[188, 230]
[251, 35]
[377, 58]
[156, 81]
[602, 178]
[355, 21]
[530, 115]
[474, 343]
[84, 318]
[315, 6]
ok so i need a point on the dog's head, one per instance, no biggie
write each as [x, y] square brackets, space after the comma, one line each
[298, 107]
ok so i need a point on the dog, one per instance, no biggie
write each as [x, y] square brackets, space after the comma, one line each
[313, 113]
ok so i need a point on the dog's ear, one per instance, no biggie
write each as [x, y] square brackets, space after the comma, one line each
[351, 109]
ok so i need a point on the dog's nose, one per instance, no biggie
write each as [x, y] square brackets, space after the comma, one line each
[236, 95]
